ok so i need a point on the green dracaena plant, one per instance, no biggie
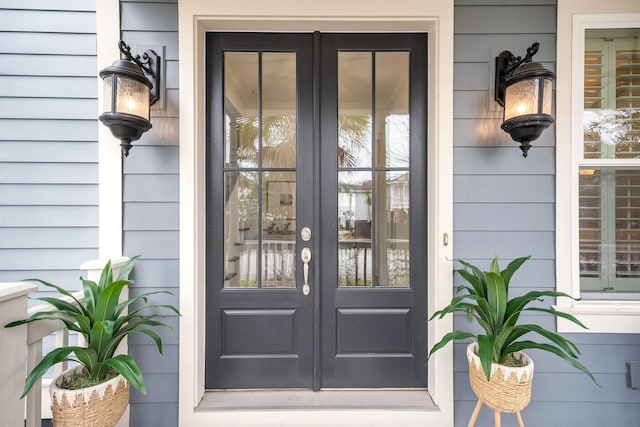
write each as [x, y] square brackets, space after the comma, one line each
[104, 322]
[485, 299]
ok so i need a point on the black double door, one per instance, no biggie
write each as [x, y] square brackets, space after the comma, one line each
[316, 210]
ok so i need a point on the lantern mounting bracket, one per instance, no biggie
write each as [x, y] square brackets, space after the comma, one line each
[506, 64]
[150, 64]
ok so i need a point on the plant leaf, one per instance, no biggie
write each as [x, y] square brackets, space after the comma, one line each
[559, 314]
[494, 267]
[100, 337]
[455, 335]
[478, 274]
[488, 314]
[476, 283]
[125, 270]
[497, 298]
[87, 357]
[57, 288]
[128, 368]
[108, 300]
[457, 304]
[563, 343]
[506, 338]
[485, 353]
[131, 328]
[513, 266]
[516, 305]
[523, 345]
[150, 333]
[120, 307]
[63, 306]
[106, 277]
[49, 315]
[55, 356]
[90, 289]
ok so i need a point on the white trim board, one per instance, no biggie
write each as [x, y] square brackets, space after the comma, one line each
[109, 153]
[195, 18]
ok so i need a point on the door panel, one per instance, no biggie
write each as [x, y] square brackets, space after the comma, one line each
[374, 159]
[325, 131]
[258, 321]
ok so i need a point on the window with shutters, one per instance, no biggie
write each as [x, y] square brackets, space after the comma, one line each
[609, 165]
[598, 165]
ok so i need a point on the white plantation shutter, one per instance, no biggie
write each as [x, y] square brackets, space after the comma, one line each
[609, 181]
[627, 229]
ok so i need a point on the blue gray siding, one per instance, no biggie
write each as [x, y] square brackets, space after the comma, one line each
[505, 204]
[150, 217]
[48, 142]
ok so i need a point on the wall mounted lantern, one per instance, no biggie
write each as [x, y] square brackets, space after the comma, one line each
[524, 89]
[131, 87]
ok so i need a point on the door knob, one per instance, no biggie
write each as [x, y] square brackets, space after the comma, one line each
[305, 256]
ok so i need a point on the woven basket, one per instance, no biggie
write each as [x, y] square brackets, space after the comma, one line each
[509, 388]
[98, 406]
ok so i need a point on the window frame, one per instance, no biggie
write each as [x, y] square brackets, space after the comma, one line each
[574, 18]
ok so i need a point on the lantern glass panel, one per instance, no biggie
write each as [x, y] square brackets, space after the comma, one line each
[106, 94]
[546, 103]
[521, 98]
[132, 97]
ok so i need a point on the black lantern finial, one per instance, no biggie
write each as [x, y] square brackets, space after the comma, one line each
[131, 86]
[524, 89]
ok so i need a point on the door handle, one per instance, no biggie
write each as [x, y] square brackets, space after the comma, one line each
[305, 256]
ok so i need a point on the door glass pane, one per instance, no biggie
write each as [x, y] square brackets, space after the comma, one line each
[354, 109]
[373, 201]
[241, 229]
[279, 230]
[355, 204]
[260, 132]
[392, 229]
[392, 109]
[279, 110]
[241, 104]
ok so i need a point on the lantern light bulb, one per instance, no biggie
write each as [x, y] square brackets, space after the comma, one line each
[131, 103]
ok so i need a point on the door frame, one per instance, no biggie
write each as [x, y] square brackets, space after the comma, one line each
[195, 18]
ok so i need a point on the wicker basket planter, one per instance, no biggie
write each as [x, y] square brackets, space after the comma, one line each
[98, 406]
[508, 390]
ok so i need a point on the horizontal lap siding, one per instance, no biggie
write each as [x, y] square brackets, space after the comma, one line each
[505, 205]
[48, 143]
[151, 212]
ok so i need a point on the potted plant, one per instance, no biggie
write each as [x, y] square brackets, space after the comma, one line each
[96, 392]
[499, 372]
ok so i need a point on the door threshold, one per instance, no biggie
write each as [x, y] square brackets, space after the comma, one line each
[324, 400]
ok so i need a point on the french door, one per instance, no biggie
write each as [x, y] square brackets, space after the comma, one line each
[316, 210]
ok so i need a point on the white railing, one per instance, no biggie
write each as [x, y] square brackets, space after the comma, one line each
[36, 332]
[13, 306]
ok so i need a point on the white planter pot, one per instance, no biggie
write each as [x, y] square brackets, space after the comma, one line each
[508, 388]
[98, 406]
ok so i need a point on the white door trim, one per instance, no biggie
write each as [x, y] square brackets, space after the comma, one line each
[197, 17]
[109, 153]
